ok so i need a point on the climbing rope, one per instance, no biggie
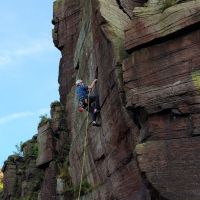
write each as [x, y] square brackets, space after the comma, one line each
[84, 149]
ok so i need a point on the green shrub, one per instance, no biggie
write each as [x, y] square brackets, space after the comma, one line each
[63, 170]
[55, 103]
[1, 181]
[85, 188]
[1, 186]
[44, 119]
[69, 188]
[33, 150]
[19, 149]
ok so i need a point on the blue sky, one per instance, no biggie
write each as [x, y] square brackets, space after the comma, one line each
[28, 70]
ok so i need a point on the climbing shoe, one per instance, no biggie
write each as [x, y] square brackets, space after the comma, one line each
[96, 110]
[94, 123]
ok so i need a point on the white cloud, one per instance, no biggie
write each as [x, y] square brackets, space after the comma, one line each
[34, 47]
[30, 48]
[4, 60]
[19, 115]
[15, 116]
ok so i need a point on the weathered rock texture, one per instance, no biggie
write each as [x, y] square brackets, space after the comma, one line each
[33, 175]
[148, 84]
[21, 177]
[158, 86]
[161, 79]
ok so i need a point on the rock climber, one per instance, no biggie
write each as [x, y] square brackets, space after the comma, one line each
[82, 92]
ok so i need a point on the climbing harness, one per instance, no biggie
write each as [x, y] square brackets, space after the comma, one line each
[84, 150]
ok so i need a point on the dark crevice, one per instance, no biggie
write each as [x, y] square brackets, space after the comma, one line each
[123, 163]
[104, 100]
[175, 138]
[139, 115]
[128, 159]
[77, 66]
[154, 194]
[196, 135]
[144, 138]
[121, 8]
[103, 31]
[96, 72]
[102, 157]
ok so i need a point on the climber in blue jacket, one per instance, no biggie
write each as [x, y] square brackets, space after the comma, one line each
[82, 92]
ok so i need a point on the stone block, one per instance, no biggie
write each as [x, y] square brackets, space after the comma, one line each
[45, 145]
[143, 30]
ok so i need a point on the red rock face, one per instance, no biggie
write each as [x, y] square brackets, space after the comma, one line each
[167, 70]
[161, 83]
[147, 145]
[10, 179]
[159, 90]
[66, 19]
[110, 166]
[146, 29]
[22, 179]
[48, 189]
[171, 167]
[45, 144]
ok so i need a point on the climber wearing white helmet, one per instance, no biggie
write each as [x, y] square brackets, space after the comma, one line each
[82, 92]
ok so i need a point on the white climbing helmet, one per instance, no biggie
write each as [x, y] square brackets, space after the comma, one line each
[78, 82]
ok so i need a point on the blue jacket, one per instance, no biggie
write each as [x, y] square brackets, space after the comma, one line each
[82, 92]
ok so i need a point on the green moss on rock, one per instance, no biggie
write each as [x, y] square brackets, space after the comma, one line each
[196, 79]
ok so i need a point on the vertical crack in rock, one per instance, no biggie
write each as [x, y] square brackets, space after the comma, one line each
[155, 195]
[121, 8]
[140, 117]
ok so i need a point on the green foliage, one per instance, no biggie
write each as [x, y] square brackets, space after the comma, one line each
[26, 149]
[63, 170]
[55, 103]
[69, 188]
[44, 119]
[196, 80]
[19, 148]
[33, 150]
[1, 186]
[85, 188]
[1, 182]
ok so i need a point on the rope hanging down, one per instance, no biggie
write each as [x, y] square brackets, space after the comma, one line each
[84, 150]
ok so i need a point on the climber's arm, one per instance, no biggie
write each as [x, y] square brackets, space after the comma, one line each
[92, 84]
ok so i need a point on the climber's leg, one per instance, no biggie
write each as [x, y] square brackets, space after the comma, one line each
[95, 99]
[94, 117]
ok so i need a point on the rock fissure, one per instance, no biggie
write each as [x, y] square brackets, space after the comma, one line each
[154, 194]
[122, 8]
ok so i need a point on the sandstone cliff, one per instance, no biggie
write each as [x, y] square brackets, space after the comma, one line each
[147, 64]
